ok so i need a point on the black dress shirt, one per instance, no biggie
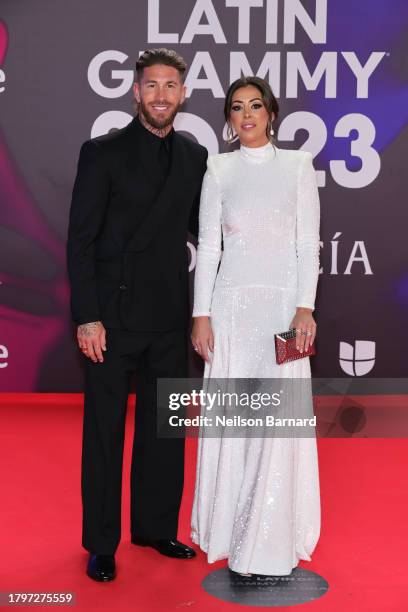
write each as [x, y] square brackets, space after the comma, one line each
[156, 153]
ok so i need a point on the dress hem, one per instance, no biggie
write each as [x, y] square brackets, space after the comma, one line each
[226, 555]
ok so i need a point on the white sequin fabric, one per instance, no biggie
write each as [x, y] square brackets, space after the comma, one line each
[256, 500]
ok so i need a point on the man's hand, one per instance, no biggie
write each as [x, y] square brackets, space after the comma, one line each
[92, 340]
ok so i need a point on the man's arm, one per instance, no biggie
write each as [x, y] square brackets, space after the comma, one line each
[90, 198]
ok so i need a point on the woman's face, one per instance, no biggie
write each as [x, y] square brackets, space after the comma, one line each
[249, 116]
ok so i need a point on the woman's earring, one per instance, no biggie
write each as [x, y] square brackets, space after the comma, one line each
[230, 135]
[271, 131]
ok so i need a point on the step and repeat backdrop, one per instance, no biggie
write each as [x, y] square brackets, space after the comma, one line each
[339, 70]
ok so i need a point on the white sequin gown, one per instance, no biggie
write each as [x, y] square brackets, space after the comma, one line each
[256, 501]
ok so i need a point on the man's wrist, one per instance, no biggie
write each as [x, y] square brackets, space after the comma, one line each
[86, 321]
[89, 327]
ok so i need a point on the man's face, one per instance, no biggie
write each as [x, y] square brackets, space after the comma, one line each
[160, 94]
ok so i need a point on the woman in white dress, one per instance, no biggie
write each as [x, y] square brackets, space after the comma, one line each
[256, 502]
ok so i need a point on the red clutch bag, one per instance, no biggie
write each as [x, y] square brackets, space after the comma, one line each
[285, 347]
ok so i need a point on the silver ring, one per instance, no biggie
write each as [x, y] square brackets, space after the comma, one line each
[195, 348]
[309, 333]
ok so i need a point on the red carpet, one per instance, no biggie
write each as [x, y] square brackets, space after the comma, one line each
[361, 552]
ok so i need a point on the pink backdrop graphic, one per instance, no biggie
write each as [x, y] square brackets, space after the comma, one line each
[34, 290]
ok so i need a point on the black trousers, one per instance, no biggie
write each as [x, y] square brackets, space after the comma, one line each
[157, 471]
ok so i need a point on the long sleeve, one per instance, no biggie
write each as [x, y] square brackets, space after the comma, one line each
[90, 198]
[307, 234]
[209, 242]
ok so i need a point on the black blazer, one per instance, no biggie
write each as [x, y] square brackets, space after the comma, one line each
[126, 250]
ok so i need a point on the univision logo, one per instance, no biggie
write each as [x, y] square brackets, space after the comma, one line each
[359, 359]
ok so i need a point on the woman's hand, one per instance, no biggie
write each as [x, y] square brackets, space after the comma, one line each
[202, 337]
[305, 326]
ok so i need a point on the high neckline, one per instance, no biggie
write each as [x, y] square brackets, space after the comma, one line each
[258, 153]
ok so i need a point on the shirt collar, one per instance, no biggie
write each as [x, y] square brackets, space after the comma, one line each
[151, 137]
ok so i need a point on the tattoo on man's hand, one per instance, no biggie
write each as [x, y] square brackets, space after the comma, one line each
[88, 329]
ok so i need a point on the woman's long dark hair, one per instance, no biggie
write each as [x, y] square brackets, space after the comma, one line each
[268, 98]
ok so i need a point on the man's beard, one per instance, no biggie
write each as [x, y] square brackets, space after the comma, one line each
[159, 125]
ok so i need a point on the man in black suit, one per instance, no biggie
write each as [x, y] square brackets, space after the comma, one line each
[136, 194]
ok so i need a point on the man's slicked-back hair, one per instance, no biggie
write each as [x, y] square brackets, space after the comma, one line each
[168, 57]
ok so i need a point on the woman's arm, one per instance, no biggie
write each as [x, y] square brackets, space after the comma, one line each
[208, 257]
[307, 250]
[307, 234]
[209, 242]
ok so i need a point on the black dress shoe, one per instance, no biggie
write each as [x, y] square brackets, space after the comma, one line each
[168, 547]
[101, 567]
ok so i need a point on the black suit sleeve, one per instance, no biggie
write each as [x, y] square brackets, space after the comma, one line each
[90, 198]
[195, 209]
